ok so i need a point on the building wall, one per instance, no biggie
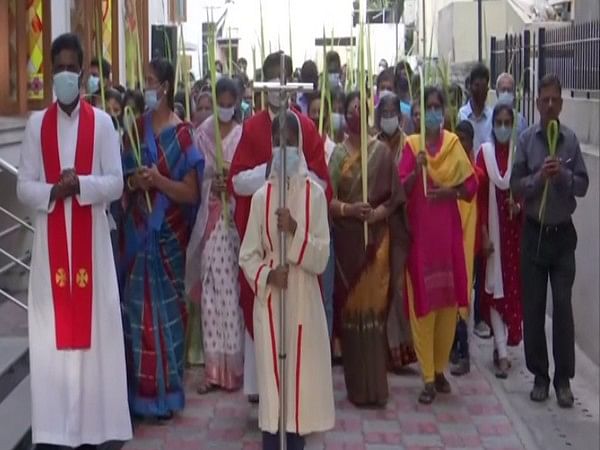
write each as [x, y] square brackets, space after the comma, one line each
[457, 32]
[586, 10]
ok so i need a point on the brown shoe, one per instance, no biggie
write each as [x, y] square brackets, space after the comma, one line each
[427, 396]
[441, 384]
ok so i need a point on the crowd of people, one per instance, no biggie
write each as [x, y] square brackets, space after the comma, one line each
[157, 242]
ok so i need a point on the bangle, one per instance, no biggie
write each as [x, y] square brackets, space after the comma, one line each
[342, 209]
[457, 194]
[130, 185]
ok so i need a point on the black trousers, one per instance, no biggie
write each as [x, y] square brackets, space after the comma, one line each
[271, 441]
[461, 339]
[552, 257]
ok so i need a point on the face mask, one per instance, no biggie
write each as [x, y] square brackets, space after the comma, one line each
[226, 114]
[66, 86]
[389, 125]
[433, 119]
[502, 134]
[353, 123]
[337, 121]
[334, 79]
[151, 98]
[292, 163]
[93, 84]
[506, 98]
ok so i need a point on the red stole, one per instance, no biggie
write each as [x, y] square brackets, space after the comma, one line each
[71, 289]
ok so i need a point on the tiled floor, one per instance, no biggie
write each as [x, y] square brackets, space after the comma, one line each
[471, 417]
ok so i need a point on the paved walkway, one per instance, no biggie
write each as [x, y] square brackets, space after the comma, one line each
[481, 413]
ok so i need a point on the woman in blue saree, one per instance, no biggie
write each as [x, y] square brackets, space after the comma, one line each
[161, 195]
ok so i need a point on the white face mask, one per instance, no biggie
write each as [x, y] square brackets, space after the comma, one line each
[226, 114]
[292, 160]
[389, 125]
[66, 86]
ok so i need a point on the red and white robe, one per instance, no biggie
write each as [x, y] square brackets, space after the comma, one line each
[308, 371]
[79, 396]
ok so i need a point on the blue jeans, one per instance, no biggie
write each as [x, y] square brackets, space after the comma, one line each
[328, 279]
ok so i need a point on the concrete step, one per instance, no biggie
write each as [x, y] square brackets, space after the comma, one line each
[11, 130]
[15, 418]
[14, 364]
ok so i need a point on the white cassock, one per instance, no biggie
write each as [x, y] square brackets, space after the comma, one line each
[78, 396]
[310, 403]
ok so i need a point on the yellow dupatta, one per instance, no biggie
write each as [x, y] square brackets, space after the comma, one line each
[451, 167]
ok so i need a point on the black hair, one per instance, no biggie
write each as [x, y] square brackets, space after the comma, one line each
[503, 107]
[465, 127]
[165, 73]
[349, 98]
[67, 41]
[113, 94]
[549, 80]
[312, 96]
[272, 63]
[179, 110]
[226, 84]
[435, 90]
[104, 67]
[386, 75]
[138, 100]
[333, 57]
[309, 73]
[338, 94]
[120, 88]
[455, 93]
[291, 123]
[242, 60]
[479, 72]
[403, 66]
[180, 98]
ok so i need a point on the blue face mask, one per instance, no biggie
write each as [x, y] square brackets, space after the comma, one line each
[93, 84]
[66, 86]
[506, 98]
[433, 119]
[292, 163]
[151, 98]
[502, 134]
[337, 121]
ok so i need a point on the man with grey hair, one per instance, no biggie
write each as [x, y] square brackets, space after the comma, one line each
[505, 93]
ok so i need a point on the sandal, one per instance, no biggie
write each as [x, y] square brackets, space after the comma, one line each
[427, 396]
[441, 384]
[502, 368]
[206, 388]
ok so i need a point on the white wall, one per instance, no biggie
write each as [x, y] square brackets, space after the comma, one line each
[158, 12]
[457, 32]
[61, 17]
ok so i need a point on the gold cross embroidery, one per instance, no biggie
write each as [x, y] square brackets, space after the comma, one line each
[61, 277]
[82, 278]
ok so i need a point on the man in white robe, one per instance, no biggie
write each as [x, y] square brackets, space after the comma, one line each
[78, 378]
[309, 385]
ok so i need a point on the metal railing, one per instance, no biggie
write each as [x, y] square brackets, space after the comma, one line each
[20, 261]
[571, 52]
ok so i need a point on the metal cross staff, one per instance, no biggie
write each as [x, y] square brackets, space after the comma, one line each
[284, 89]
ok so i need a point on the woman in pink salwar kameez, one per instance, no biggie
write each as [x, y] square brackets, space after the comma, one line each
[213, 254]
[436, 282]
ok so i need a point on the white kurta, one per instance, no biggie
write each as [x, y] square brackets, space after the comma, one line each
[78, 396]
[309, 380]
